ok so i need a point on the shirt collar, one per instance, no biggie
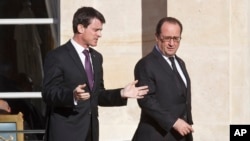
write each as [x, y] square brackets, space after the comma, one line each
[78, 47]
[157, 48]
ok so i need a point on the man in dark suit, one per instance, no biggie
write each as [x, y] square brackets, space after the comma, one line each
[73, 90]
[166, 110]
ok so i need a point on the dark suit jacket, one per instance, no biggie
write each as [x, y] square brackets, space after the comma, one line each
[63, 72]
[165, 102]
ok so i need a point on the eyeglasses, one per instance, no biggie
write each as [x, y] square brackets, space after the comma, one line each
[169, 38]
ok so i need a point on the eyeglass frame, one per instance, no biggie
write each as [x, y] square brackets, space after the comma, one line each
[176, 39]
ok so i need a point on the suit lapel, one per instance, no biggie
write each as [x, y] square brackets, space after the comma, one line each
[183, 68]
[76, 59]
[168, 68]
[162, 61]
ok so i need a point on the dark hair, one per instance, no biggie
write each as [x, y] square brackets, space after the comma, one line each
[169, 20]
[84, 15]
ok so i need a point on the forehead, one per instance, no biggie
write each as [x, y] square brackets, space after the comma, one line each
[170, 28]
[95, 23]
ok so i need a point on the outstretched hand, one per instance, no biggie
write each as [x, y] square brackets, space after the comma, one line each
[131, 91]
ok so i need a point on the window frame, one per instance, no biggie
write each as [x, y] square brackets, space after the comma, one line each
[26, 21]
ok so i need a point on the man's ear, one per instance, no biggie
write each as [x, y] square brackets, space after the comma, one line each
[80, 28]
[156, 38]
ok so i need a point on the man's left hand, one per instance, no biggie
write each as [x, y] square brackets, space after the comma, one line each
[131, 91]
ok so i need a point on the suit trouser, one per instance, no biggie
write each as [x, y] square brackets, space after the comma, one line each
[89, 135]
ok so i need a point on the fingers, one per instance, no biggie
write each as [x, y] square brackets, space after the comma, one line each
[82, 86]
[83, 96]
[142, 87]
[139, 96]
[131, 84]
[183, 127]
[80, 94]
[134, 82]
[143, 90]
[186, 130]
[142, 93]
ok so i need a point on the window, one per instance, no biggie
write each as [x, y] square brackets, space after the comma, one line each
[27, 34]
[28, 30]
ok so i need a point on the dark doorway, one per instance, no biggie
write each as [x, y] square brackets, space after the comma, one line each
[152, 12]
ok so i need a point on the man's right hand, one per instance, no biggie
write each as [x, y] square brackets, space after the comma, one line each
[183, 127]
[80, 94]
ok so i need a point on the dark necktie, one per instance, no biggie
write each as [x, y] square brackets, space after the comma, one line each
[88, 69]
[180, 82]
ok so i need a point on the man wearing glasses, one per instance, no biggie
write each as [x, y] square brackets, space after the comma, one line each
[166, 110]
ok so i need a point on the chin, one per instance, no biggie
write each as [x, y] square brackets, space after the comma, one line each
[92, 45]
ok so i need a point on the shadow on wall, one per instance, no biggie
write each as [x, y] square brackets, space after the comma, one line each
[152, 12]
